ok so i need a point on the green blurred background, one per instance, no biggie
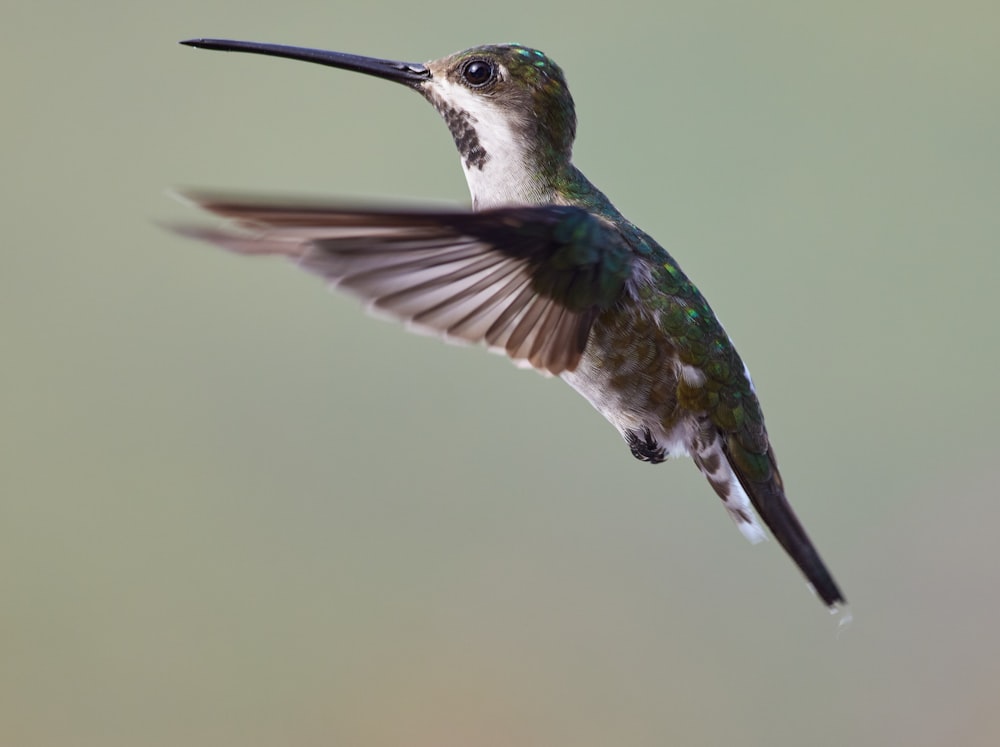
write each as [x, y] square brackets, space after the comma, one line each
[236, 510]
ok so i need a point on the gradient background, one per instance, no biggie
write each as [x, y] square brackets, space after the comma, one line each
[234, 510]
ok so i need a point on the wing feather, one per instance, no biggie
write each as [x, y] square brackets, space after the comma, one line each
[470, 277]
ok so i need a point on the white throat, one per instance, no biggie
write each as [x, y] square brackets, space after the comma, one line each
[494, 158]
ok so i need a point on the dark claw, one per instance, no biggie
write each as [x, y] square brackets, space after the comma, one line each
[644, 447]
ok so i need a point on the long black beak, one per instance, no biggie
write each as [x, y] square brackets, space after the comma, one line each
[409, 73]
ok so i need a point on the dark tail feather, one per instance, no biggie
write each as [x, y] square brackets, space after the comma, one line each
[768, 498]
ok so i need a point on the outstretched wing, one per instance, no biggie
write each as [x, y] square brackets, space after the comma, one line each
[528, 281]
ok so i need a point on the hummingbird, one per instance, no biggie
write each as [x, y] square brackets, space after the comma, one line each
[544, 269]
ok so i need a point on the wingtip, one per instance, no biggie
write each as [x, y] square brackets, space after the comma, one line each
[185, 197]
[204, 199]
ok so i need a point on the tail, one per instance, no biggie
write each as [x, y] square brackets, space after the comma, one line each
[768, 498]
[729, 469]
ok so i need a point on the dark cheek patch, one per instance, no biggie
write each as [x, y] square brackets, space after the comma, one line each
[466, 139]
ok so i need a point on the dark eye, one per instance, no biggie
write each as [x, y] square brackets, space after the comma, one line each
[477, 73]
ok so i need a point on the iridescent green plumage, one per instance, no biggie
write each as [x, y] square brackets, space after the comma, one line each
[548, 271]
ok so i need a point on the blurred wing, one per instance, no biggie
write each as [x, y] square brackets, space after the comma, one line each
[526, 281]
